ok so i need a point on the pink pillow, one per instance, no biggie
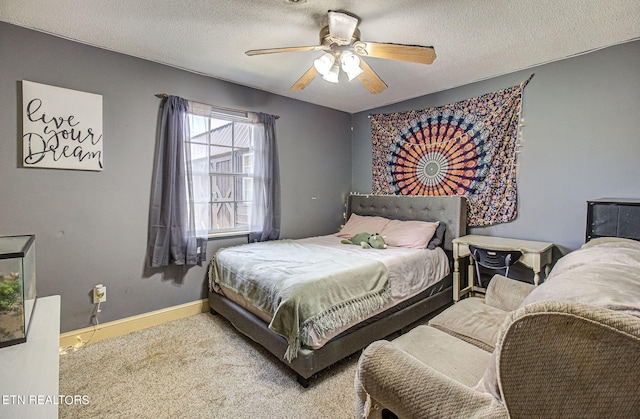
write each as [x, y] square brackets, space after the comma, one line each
[362, 224]
[412, 234]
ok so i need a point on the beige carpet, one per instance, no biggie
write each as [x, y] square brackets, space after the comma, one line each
[198, 367]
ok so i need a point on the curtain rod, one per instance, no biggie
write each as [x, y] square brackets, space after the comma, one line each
[165, 95]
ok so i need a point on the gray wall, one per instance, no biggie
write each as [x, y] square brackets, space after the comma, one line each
[581, 141]
[91, 227]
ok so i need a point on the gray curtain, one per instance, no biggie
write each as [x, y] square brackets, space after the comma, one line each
[172, 237]
[265, 223]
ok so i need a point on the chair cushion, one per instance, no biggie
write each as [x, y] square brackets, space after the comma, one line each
[446, 354]
[507, 294]
[472, 320]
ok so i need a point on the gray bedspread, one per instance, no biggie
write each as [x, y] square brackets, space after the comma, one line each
[303, 287]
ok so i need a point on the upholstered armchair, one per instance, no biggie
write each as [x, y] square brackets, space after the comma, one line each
[551, 359]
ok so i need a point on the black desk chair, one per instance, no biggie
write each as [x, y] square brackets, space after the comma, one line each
[496, 260]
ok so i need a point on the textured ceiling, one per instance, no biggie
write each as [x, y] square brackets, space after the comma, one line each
[473, 39]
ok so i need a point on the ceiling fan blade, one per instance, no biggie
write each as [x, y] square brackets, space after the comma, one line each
[370, 79]
[286, 49]
[306, 78]
[411, 53]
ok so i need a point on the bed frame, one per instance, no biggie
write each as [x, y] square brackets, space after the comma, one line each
[451, 210]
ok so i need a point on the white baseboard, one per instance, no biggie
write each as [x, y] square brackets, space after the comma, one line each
[77, 338]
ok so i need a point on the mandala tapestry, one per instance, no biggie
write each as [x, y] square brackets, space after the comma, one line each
[466, 148]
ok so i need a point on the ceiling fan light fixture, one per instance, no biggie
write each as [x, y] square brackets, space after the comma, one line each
[333, 75]
[324, 64]
[340, 40]
[342, 26]
[350, 64]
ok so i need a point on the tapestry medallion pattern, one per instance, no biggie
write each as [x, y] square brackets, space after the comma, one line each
[466, 148]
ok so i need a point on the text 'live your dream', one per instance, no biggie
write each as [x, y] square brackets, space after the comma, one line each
[58, 137]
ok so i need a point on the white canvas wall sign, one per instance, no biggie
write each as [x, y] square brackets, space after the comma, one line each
[61, 128]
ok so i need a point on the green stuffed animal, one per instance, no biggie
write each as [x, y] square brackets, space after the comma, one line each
[367, 241]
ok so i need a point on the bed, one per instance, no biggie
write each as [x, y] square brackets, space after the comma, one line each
[387, 306]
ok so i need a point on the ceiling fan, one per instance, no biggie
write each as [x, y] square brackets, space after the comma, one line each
[343, 49]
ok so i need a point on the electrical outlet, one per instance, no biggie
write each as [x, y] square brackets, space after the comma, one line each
[99, 294]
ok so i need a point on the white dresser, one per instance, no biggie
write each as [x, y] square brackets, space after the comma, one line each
[30, 371]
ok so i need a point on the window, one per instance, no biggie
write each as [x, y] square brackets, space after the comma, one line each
[222, 149]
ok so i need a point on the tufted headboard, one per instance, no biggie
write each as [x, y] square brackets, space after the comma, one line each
[451, 210]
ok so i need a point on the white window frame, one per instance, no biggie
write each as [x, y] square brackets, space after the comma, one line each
[240, 177]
